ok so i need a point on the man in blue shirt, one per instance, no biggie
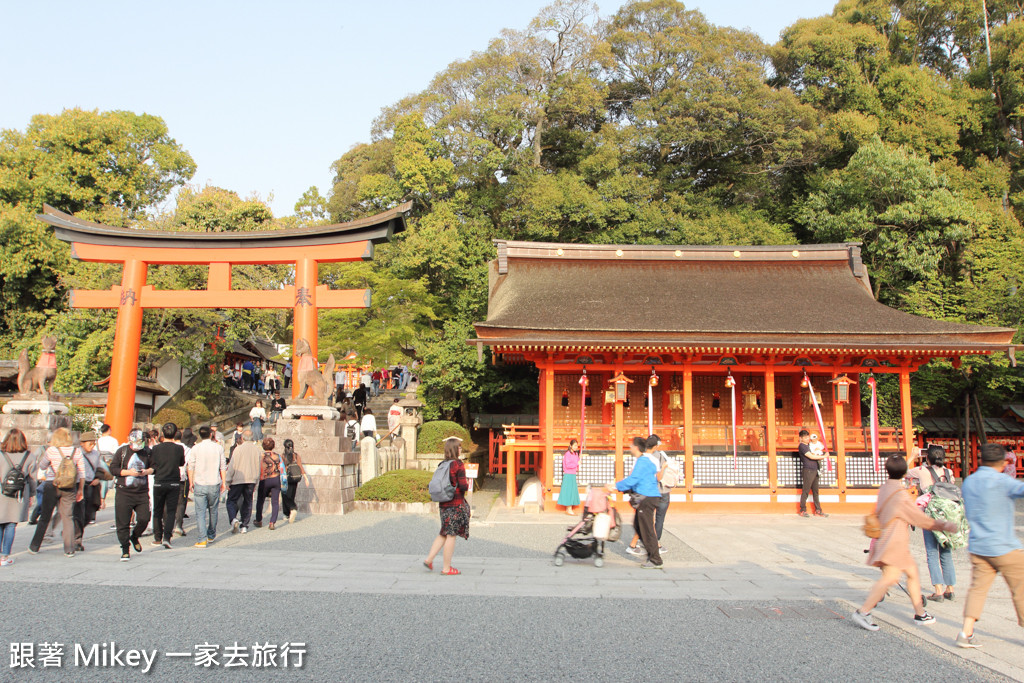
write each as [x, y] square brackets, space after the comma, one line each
[643, 480]
[994, 547]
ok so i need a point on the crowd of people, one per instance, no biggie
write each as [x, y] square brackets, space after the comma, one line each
[153, 474]
[260, 377]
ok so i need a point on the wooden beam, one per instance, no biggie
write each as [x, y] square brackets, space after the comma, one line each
[906, 412]
[220, 298]
[770, 431]
[688, 433]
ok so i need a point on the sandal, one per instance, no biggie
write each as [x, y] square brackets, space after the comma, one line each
[428, 565]
[451, 571]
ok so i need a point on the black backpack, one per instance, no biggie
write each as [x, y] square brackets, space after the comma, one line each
[14, 481]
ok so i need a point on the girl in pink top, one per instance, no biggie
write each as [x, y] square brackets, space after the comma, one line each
[569, 495]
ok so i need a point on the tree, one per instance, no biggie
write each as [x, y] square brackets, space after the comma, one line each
[111, 167]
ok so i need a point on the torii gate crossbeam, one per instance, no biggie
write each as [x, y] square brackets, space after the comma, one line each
[305, 248]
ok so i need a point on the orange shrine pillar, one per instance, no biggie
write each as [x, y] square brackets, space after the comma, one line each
[905, 412]
[304, 325]
[124, 366]
[855, 402]
[840, 421]
[547, 471]
[769, 427]
[798, 402]
[689, 437]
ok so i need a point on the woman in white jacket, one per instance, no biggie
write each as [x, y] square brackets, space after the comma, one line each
[258, 415]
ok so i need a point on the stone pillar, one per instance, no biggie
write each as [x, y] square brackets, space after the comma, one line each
[367, 459]
[37, 426]
[410, 422]
[331, 468]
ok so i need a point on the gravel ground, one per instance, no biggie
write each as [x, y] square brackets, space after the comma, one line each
[366, 637]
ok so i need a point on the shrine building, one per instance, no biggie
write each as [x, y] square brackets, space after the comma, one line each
[634, 339]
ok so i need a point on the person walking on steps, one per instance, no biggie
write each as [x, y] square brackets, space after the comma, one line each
[294, 471]
[130, 466]
[270, 484]
[455, 513]
[896, 511]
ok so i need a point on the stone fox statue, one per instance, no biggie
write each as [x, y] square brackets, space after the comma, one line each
[42, 375]
[320, 383]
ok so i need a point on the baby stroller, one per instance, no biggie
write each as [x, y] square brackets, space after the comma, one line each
[600, 523]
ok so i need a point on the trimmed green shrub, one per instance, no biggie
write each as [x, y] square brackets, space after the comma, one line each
[432, 435]
[397, 486]
[180, 418]
[196, 409]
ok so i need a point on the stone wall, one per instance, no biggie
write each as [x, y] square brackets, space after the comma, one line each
[331, 465]
[37, 426]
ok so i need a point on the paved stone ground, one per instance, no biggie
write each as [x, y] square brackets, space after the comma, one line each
[742, 597]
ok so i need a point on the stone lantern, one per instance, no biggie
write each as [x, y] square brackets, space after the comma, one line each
[409, 423]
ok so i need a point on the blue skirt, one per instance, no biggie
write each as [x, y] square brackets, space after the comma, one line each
[569, 496]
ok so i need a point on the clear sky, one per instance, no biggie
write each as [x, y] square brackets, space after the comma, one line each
[265, 95]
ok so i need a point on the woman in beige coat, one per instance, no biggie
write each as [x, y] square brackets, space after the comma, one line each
[891, 551]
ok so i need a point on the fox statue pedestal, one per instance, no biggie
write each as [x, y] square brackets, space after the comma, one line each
[331, 465]
[38, 424]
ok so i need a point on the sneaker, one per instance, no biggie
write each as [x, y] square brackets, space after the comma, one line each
[924, 618]
[167, 544]
[200, 544]
[156, 542]
[650, 565]
[864, 621]
[662, 550]
[245, 529]
[113, 527]
[804, 514]
[634, 550]
[234, 527]
[257, 524]
[33, 551]
[6, 562]
[819, 513]
[136, 545]
[71, 554]
[181, 532]
[125, 556]
[964, 640]
[271, 527]
[79, 548]
[292, 515]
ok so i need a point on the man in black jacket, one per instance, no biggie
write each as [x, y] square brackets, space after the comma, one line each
[166, 460]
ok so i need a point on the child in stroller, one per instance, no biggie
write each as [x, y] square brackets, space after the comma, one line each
[600, 523]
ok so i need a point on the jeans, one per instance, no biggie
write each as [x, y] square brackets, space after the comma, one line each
[940, 561]
[240, 493]
[7, 537]
[659, 514]
[257, 430]
[206, 500]
[375, 386]
[269, 488]
[275, 415]
[165, 505]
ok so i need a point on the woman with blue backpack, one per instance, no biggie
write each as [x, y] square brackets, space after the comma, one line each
[450, 495]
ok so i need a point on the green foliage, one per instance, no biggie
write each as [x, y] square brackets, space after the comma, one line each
[180, 418]
[432, 435]
[196, 409]
[397, 486]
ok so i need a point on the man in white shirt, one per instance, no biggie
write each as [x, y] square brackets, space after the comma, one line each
[106, 444]
[368, 424]
[206, 466]
[340, 380]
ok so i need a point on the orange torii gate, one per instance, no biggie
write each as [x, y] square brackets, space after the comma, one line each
[136, 249]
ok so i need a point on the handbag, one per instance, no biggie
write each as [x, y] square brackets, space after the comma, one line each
[872, 526]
